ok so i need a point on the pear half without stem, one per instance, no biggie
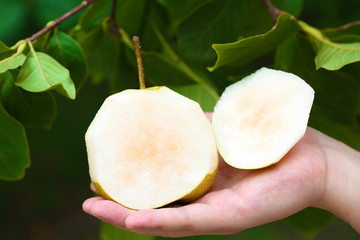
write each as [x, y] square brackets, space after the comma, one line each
[260, 118]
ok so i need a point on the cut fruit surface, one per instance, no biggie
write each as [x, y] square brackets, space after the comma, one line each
[260, 118]
[147, 148]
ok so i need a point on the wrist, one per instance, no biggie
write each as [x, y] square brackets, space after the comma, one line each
[341, 195]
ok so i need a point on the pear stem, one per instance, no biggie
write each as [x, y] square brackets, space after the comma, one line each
[137, 48]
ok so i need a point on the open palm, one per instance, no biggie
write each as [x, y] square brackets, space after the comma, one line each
[239, 199]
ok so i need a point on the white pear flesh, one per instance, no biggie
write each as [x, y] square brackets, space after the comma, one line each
[148, 148]
[260, 118]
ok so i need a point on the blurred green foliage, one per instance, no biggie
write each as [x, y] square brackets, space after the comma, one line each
[46, 204]
[22, 18]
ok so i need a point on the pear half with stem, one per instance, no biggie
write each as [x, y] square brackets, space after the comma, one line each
[150, 147]
[260, 118]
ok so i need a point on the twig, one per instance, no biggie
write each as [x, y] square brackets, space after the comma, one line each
[115, 28]
[274, 11]
[348, 25]
[61, 19]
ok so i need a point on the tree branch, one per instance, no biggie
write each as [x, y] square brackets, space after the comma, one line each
[347, 25]
[115, 28]
[274, 11]
[61, 19]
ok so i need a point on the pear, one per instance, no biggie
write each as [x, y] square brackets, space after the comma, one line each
[259, 119]
[150, 147]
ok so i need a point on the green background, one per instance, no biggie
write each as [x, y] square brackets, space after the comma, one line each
[46, 204]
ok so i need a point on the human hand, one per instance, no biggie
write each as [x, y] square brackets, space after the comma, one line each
[239, 199]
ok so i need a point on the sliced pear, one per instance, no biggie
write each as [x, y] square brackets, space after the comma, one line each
[150, 147]
[260, 118]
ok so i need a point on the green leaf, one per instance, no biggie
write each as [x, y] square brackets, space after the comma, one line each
[33, 110]
[4, 50]
[163, 72]
[41, 43]
[12, 62]
[216, 22]
[93, 14]
[158, 15]
[354, 70]
[331, 55]
[103, 52]
[107, 61]
[346, 133]
[310, 222]
[258, 20]
[109, 232]
[337, 95]
[199, 94]
[196, 75]
[41, 72]
[248, 49]
[129, 15]
[181, 9]
[14, 150]
[10, 59]
[294, 7]
[69, 53]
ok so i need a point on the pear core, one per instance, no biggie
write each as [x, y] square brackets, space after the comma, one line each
[148, 148]
[260, 118]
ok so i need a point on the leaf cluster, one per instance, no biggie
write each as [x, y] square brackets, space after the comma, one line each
[27, 74]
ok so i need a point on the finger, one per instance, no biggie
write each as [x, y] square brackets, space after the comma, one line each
[192, 219]
[209, 115]
[88, 203]
[107, 211]
[92, 187]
